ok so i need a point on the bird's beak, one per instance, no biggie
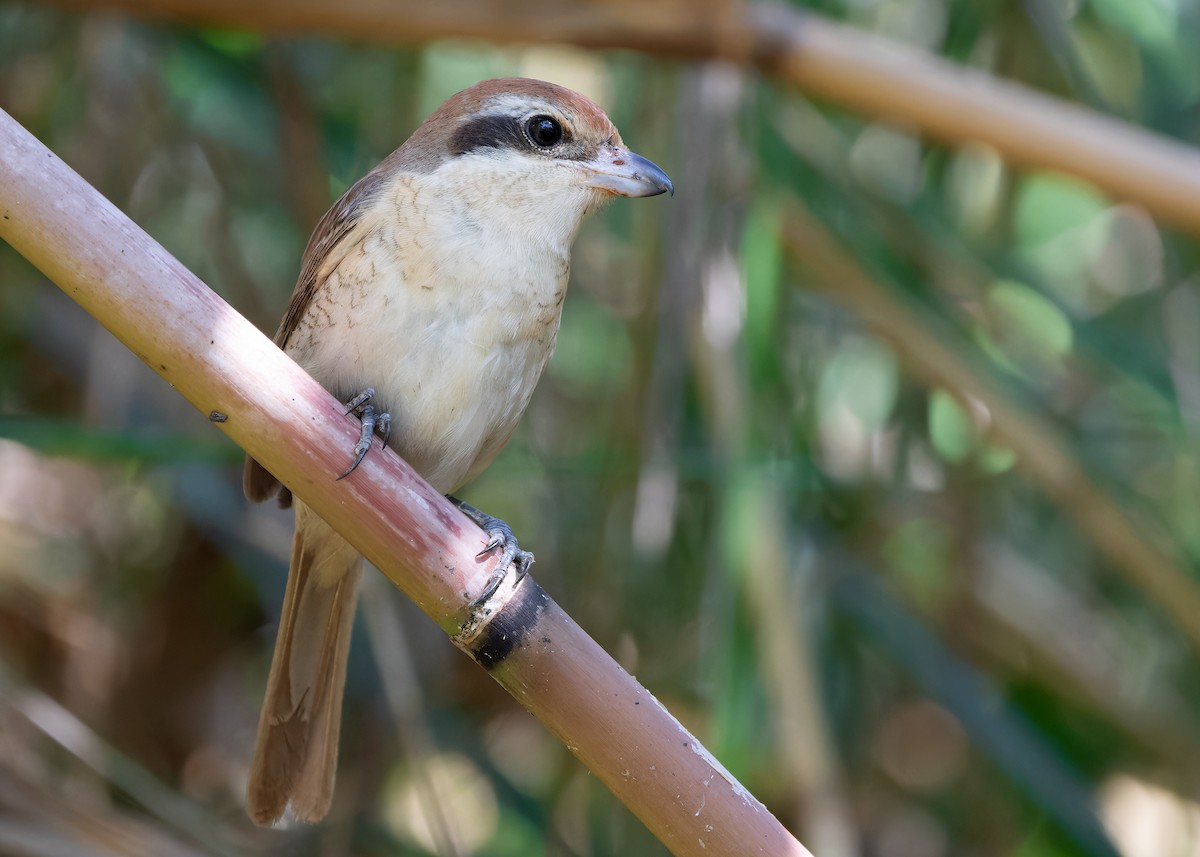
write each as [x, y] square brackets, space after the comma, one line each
[620, 171]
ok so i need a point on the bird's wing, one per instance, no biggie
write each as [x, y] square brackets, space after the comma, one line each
[332, 238]
[327, 246]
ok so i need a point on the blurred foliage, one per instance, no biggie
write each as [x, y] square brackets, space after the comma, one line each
[864, 606]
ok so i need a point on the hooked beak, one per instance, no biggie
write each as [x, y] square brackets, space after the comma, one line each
[624, 173]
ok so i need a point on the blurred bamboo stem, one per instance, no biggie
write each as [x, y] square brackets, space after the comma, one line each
[861, 71]
[789, 663]
[406, 703]
[61, 726]
[253, 392]
[1042, 454]
[1029, 627]
[708, 223]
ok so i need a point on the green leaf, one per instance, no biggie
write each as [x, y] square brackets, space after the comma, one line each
[951, 431]
[1049, 204]
[862, 378]
[1023, 320]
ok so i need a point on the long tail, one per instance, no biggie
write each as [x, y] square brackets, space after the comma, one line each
[296, 754]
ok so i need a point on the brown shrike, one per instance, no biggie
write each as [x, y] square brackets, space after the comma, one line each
[429, 297]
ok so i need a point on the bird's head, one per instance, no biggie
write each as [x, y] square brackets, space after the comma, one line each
[532, 150]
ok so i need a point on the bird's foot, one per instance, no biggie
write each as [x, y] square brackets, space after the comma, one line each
[373, 420]
[500, 535]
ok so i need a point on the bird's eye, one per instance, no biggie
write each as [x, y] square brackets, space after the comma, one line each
[544, 131]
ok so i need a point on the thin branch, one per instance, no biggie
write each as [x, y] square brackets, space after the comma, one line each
[269, 406]
[1042, 454]
[63, 728]
[1027, 625]
[852, 68]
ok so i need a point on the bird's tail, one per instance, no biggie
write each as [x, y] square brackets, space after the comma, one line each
[296, 754]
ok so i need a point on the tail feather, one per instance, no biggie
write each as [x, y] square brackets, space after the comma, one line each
[296, 754]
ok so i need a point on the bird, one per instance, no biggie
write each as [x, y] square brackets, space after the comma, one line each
[429, 300]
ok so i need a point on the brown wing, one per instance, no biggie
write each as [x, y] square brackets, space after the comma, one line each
[326, 247]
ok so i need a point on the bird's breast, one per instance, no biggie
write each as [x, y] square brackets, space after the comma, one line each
[452, 331]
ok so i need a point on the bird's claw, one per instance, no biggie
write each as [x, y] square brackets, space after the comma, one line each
[372, 421]
[500, 537]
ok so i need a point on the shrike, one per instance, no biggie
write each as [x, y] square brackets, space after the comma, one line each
[429, 299]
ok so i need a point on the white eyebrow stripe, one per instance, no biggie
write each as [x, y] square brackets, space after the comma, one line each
[516, 104]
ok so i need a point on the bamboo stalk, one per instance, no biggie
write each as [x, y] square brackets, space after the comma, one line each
[1041, 452]
[855, 69]
[268, 405]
